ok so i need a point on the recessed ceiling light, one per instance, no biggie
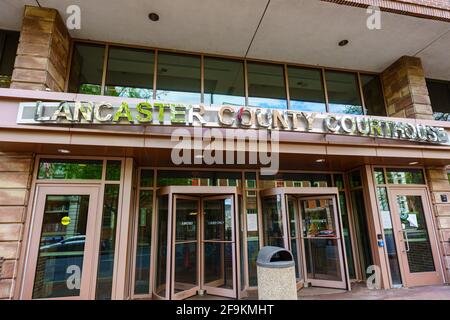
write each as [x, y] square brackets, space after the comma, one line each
[63, 151]
[153, 16]
[320, 160]
[343, 43]
[413, 163]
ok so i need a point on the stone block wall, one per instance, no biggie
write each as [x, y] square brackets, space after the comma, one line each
[43, 51]
[406, 90]
[440, 189]
[15, 182]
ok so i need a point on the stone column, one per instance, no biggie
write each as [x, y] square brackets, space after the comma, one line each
[439, 184]
[15, 180]
[405, 89]
[43, 51]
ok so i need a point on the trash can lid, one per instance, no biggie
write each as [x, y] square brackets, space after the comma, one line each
[274, 257]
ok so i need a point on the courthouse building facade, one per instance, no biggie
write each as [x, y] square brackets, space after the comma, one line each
[107, 188]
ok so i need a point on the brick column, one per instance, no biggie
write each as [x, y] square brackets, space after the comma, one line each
[405, 89]
[15, 180]
[42, 54]
[440, 188]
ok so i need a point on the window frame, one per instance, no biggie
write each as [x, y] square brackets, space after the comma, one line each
[202, 56]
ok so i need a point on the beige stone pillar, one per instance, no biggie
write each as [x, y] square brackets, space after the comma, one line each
[439, 185]
[405, 89]
[43, 51]
[15, 180]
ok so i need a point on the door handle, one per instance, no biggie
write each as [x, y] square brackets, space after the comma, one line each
[405, 233]
[405, 240]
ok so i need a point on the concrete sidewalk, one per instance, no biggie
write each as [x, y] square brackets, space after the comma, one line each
[361, 292]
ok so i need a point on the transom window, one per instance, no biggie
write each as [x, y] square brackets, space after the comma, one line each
[195, 78]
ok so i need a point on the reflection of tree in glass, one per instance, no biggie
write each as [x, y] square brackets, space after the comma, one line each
[90, 89]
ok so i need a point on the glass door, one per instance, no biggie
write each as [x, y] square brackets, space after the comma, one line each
[61, 252]
[294, 235]
[321, 236]
[185, 253]
[218, 246]
[415, 237]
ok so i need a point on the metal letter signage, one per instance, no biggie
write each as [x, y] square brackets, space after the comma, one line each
[166, 114]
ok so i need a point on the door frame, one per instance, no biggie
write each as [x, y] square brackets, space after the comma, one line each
[314, 192]
[423, 278]
[204, 191]
[214, 290]
[339, 240]
[90, 249]
[192, 291]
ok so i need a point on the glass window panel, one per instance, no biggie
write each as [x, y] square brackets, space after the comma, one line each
[355, 179]
[186, 220]
[362, 231]
[322, 259]
[273, 221]
[266, 85]
[347, 236]
[252, 235]
[130, 73]
[61, 246]
[287, 179]
[405, 176]
[146, 178]
[339, 181]
[199, 178]
[306, 89]
[186, 268]
[144, 237]
[218, 264]
[318, 218]
[113, 168]
[9, 41]
[224, 82]
[389, 236]
[250, 180]
[87, 68]
[178, 78]
[161, 263]
[373, 95]
[70, 169]
[439, 92]
[343, 92]
[379, 176]
[217, 215]
[107, 242]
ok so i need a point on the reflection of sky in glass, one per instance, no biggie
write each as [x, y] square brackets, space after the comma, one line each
[223, 99]
[267, 103]
[441, 116]
[178, 96]
[345, 108]
[308, 106]
[129, 92]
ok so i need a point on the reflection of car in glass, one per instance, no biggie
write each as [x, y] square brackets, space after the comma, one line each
[75, 243]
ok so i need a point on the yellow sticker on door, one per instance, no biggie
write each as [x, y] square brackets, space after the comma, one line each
[65, 220]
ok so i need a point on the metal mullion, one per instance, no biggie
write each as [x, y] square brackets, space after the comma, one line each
[361, 93]
[155, 73]
[105, 67]
[202, 79]
[325, 90]
[246, 82]
[286, 84]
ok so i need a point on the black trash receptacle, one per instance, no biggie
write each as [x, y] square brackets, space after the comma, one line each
[276, 274]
